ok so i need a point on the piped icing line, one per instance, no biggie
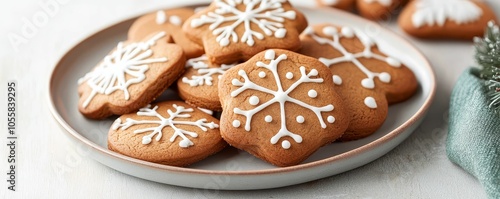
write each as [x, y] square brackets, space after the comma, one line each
[281, 97]
[205, 73]
[334, 41]
[127, 60]
[385, 3]
[210, 112]
[434, 12]
[162, 122]
[268, 15]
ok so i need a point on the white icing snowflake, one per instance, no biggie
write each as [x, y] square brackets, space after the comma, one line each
[204, 71]
[436, 12]
[180, 112]
[127, 65]
[281, 96]
[268, 15]
[367, 53]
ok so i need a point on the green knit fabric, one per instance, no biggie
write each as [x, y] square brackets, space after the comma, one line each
[474, 132]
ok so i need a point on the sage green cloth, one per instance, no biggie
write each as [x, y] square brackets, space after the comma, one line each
[474, 132]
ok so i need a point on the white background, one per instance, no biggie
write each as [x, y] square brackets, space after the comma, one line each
[418, 168]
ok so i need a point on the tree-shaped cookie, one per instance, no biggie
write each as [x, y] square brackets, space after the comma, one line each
[170, 22]
[235, 30]
[446, 19]
[199, 84]
[130, 77]
[281, 107]
[367, 79]
[171, 133]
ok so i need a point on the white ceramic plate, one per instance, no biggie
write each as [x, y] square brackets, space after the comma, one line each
[233, 169]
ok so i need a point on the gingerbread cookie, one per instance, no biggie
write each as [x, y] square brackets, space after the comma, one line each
[367, 79]
[235, 30]
[340, 4]
[446, 19]
[130, 77]
[170, 22]
[281, 107]
[199, 84]
[171, 133]
[378, 9]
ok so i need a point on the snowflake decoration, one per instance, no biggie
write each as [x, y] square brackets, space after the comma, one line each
[204, 71]
[111, 75]
[431, 12]
[367, 53]
[281, 96]
[180, 112]
[268, 15]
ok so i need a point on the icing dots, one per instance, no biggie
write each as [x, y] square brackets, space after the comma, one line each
[331, 119]
[281, 97]
[289, 75]
[300, 119]
[337, 80]
[432, 12]
[286, 144]
[161, 18]
[262, 74]
[267, 15]
[162, 122]
[333, 39]
[254, 100]
[268, 119]
[125, 66]
[205, 73]
[312, 93]
[370, 102]
[236, 123]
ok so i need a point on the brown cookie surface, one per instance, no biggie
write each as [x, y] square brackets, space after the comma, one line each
[340, 4]
[378, 9]
[233, 31]
[199, 84]
[170, 22]
[171, 133]
[446, 19]
[367, 79]
[130, 77]
[281, 107]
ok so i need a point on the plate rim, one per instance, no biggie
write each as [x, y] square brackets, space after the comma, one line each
[419, 114]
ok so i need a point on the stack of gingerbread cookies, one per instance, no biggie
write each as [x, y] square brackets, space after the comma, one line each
[282, 89]
[428, 19]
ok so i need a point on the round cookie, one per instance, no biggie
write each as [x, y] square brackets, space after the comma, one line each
[340, 4]
[378, 9]
[171, 133]
[232, 30]
[199, 84]
[130, 77]
[367, 79]
[169, 21]
[281, 107]
[446, 19]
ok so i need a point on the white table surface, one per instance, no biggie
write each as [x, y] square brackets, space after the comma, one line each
[49, 165]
